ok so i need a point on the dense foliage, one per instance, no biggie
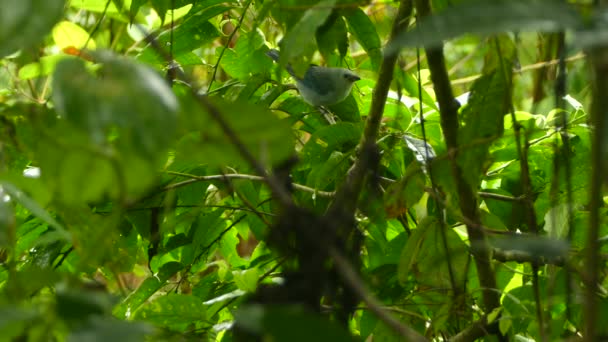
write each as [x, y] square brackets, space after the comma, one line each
[161, 179]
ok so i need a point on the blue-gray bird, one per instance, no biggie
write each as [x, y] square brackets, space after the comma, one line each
[321, 86]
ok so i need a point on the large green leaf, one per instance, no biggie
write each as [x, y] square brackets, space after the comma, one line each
[342, 136]
[363, 29]
[489, 101]
[23, 23]
[247, 58]
[268, 138]
[332, 36]
[174, 311]
[195, 32]
[147, 288]
[301, 38]
[113, 129]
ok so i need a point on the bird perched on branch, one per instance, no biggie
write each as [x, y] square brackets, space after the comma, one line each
[321, 86]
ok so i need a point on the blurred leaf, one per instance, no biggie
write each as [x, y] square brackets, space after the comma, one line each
[289, 323]
[31, 205]
[532, 247]
[269, 139]
[110, 329]
[24, 23]
[14, 321]
[43, 67]
[112, 129]
[76, 304]
[486, 18]
[174, 311]
[68, 34]
[556, 222]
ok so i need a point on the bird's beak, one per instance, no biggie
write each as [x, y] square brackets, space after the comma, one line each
[354, 78]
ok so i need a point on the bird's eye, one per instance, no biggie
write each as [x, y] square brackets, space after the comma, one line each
[345, 76]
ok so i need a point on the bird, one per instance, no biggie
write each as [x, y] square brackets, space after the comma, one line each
[321, 86]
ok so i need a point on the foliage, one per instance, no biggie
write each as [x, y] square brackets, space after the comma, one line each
[160, 179]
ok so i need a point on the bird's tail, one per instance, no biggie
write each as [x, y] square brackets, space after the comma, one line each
[274, 55]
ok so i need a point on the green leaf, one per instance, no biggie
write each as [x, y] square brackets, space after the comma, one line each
[410, 84]
[486, 18]
[332, 171]
[347, 110]
[300, 39]
[174, 311]
[339, 137]
[109, 329]
[68, 34]
[247, 58]
[113, 129]
[426, 250]
[190, 35]
[7, 223]
[483, 116]
[556, 221]
[364, 31]
[246, 280]
[269, 139]
[409, 253]
[24, 23]
[43, 67]
[401, 196]
[147, 288]
[31, 205]
[332, 37]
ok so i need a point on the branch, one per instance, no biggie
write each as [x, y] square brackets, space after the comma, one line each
[195, 178]
[468, 202]
[599, 104]
[352, 280]
[278, 190]
[348, 194]
[476, 330]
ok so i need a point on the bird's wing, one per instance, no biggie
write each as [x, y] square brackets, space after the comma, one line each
[320, 81]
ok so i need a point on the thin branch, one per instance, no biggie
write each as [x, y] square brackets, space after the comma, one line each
[474, 331]
[528, 202]
[219, 59]
[348, 194]
[468, 202]
[195, 179]
[599, 88]
[529, 67]
[278, 190]
[350, 277]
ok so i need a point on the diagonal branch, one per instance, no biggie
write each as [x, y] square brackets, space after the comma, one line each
[347, 196]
